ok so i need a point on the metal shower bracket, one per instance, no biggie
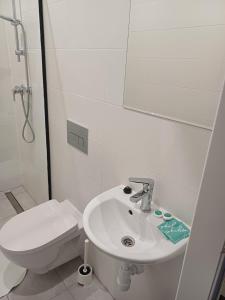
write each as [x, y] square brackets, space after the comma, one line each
[19, 52]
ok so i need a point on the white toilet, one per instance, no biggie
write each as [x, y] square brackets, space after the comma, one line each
[43, 237]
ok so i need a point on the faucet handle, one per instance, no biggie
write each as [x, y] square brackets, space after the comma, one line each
[147, 182]
[15, 91]
[141, 180]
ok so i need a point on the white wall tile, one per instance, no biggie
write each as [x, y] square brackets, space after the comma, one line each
[29, 5]
[105, 23]
[200, 73]
[182, 67]
[161, 99]
[53, 74]
[10, 174]
[195, 43]
[97, 74]
[163, 14]
[30, 20]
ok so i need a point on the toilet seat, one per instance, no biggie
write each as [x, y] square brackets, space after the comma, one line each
[39, 227]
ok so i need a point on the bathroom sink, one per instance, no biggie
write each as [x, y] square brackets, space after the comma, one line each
[119, 228]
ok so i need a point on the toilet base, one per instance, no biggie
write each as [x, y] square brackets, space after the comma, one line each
[70, 250]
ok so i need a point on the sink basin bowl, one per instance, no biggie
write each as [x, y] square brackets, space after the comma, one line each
[119, 228]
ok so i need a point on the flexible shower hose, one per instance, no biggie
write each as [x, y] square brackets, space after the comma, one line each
[26, 110]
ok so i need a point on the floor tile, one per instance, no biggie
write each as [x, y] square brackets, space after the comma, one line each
[23, 197]
[25, 200]
[100, 295]
[38, 287]
[67, 272]
[17, 190]
[94, 291]
[64, 296]
[6, 208]
[2, 195]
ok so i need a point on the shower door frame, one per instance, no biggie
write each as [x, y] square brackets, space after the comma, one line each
[45, 90]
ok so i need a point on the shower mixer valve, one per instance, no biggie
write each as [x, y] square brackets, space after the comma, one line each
[20, 89]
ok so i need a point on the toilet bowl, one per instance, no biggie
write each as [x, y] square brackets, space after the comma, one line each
[43, 237]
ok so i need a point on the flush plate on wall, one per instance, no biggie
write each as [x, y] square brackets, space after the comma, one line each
[77, 136]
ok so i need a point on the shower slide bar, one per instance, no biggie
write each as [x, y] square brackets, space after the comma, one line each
[21, 89]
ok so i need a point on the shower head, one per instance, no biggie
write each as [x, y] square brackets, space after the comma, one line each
[13, 21]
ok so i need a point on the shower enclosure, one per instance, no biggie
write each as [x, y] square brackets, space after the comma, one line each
[24, 146]
[25, 91]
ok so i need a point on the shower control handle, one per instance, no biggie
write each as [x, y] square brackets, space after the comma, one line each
[18, 89]
[15, 91]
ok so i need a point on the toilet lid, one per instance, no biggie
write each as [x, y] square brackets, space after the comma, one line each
[39, 226]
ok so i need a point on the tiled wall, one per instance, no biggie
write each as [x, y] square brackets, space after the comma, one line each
[176, 58]
[9, 155]
[32, 157]
[86, 53]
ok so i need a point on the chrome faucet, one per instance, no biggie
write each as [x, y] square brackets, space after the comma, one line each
[145, 195]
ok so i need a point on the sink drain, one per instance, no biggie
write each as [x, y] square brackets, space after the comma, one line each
[128, 241]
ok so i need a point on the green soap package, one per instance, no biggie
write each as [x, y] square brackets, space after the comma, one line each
[174, 230]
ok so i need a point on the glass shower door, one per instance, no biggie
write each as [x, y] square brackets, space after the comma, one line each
[24, 166]
[9, 152]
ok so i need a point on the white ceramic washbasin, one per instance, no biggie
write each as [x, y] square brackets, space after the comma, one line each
[111, 216]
